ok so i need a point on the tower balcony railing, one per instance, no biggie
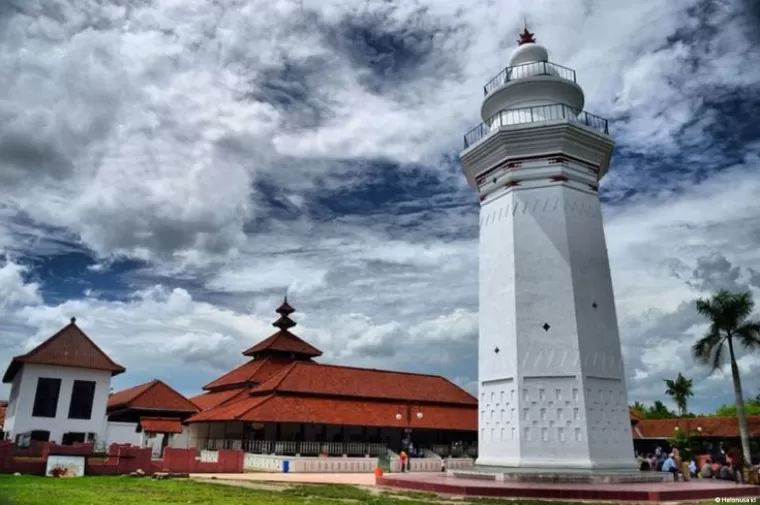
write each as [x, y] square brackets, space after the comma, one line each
[528, 70]
[537, 114]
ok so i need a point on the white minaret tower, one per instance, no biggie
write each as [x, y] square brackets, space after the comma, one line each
[552, 390]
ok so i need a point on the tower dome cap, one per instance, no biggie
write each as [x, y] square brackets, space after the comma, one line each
[528, 51]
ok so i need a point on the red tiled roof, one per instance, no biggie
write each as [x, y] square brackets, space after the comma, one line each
[161, 425]
[69, 347]
[153, 395]
[286, 342]
[124, 396]
[211, 399]
[365, 383]
[725, 427]
[229, 411]
[253, 372]
[353, 412]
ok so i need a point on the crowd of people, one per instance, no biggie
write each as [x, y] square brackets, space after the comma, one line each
[729, 465]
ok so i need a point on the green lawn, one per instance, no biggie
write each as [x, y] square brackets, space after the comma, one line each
[26, 490]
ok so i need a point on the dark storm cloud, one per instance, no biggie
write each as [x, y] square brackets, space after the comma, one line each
[52, 114]
[752, 20]
[724, 116]
[392, 54]
[754, 278]
[298, 89]
[714, 273]
[651, 330]
[22, 155]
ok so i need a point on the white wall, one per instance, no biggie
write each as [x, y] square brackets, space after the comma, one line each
[22, 420]
[181, 440]
[123, 433]
[553, 398]
[15, 402]
[154, 441]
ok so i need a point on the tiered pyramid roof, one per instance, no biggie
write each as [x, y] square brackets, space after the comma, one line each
[282, 383]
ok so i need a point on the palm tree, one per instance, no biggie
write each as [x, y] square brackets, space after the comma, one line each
[658, 410]
[730, 324]
[680, 390]
[639, 408]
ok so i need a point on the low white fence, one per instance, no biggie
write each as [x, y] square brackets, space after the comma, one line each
[301, 464]
[425, 465]
[263, 463]
[209, 457]
[433, 464]
[459, 463]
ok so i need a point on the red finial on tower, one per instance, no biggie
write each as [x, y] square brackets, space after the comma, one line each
[526, 38]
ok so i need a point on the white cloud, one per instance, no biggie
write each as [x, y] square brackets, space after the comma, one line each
[15, 292]
[163, 131]
[148, 131]
[288, 275]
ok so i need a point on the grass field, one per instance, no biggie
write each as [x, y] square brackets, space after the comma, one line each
[24, 490]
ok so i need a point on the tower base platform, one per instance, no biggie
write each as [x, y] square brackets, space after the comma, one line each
[442, 483]
[546, 475]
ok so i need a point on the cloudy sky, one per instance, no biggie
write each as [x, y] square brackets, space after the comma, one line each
[169, 168]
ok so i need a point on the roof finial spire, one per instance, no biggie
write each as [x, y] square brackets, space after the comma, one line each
[526, 37]
[73, 320]
[284, 310]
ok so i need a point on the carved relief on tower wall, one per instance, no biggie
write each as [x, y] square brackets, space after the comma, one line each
[499, 424]
[552, 412]
[609, 421]
[532, 205]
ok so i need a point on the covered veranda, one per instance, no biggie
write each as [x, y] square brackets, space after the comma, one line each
[314, 439]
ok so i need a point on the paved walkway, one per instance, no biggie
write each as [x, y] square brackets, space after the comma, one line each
[702, 490]
[359, 479]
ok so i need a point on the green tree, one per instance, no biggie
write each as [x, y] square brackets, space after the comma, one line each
[658, 410]
[751, 408]
[639, 408]
[683, 442]
[680, 390]
[731, 325]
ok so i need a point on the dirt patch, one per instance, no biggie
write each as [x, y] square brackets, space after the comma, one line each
[279, 486]
[250, 484]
